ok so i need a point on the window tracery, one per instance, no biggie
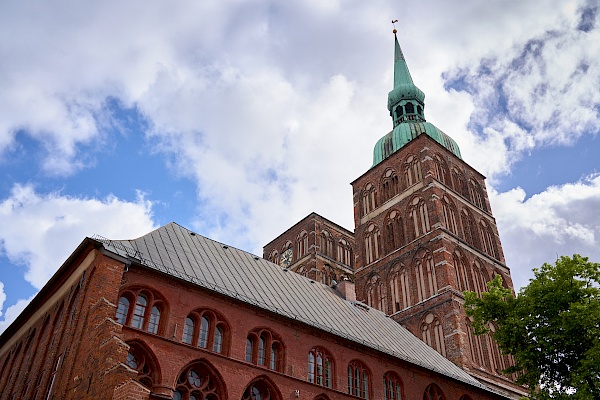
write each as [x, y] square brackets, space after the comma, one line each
[206, 329]
[140, 359]
[433, 392]
[266, 349]
[199, 382]
[394, 232]
[302, 244]
[432, 333]
[374, 293]
[412, 171]
[320, 367]
[392, 386]
[419, 217]
[426, 277]
[372, 244]
[369, 199]
[358, 380]
[261, 389]
[390, 185]
[449, 213]
[400, 289]
[140, 308]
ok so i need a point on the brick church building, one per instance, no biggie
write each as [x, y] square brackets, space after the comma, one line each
[326, 314]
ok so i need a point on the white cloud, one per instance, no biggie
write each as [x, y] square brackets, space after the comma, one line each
[2, 297]
[562, 220]
[13, 312]
[39, 231]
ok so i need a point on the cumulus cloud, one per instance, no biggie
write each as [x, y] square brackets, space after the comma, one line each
[562, 220]
[39, 231]
[272, 108]
[13, 312]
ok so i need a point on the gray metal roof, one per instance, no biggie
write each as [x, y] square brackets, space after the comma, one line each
[179, 252]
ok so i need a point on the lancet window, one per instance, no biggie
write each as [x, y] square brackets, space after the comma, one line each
[344, 252]
[412, 171]
[390, 185]
[433, 392]
[320, 367]
[264, 348]
[206, 329]
[394, 232]
[358, 380]
[140, 309]
[432, 333]
[440, 170]
[400, 289]
[369, 199]
[425, 277]
[372, 244]
[419, 217]
[375, 295]
[488, 239]
[392, 386]
[302, 244]
[449, 212]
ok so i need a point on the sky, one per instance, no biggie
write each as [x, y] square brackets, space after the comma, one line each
[238, 118]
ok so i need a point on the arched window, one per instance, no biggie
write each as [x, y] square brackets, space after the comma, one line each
[400, 289]
[122, 310]
[264, 348]
[488, 239]
[394, 232]
[392, 386]
[146, 310]
[433, 392]
[199, 381]
[463, 278]
[475, 345]
[426, 277]
[412, 171]
[274, 256]
[440, 170]
[369, 202]
[358, 380]
[206, 329]
[327, 276]
[372, 244]
[476, 194]
[432, 333]
[320, 367]
[449, 212]
[140, 359]
[261, 389]
[390, 185]
[468, 225]
[188, 331]
[419, 217]
[465, 397]
[301, 270]
[139, 311]
[410, 108]
[458, 183]
[326, 244]
[344, 252]
[302, 244]
[374, 293]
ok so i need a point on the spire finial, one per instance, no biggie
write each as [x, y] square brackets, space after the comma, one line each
[394, 23]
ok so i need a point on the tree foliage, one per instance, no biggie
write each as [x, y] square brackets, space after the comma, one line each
[552, 328]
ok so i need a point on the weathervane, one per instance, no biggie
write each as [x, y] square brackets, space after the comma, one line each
[394, 23]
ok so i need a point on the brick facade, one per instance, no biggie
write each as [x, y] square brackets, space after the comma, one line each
[321, 250]
[74, 321]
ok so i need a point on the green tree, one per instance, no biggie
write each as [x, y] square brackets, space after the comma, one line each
[552, 328]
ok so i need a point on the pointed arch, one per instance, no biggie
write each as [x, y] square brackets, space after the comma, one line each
[432, 333]
[321, 367]
[262, 388]
[326, 244]
[412, 171]
[390, 185]
[425, 275]
[202, 380]
[399, 288]
[344, 252]
[488, 239]
[265, 348]
[369, 199]
[394, 232]
[141, 358]
[468, 227]
[440, 170]
[208, 329]
[374, 292]
[463, 278]
[392, 386]
[372, 244]
[458, 182]
[359, 379]
[418, 215]
[301, 245]
[433, 392]
[449, 214]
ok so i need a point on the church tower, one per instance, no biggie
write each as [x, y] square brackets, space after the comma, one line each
[424, 233]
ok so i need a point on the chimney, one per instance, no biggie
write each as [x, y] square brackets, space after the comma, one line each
[347, 290]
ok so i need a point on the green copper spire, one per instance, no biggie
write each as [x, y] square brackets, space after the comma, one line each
[406, 103]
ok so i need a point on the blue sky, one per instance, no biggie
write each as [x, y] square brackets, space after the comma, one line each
[238, 118]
